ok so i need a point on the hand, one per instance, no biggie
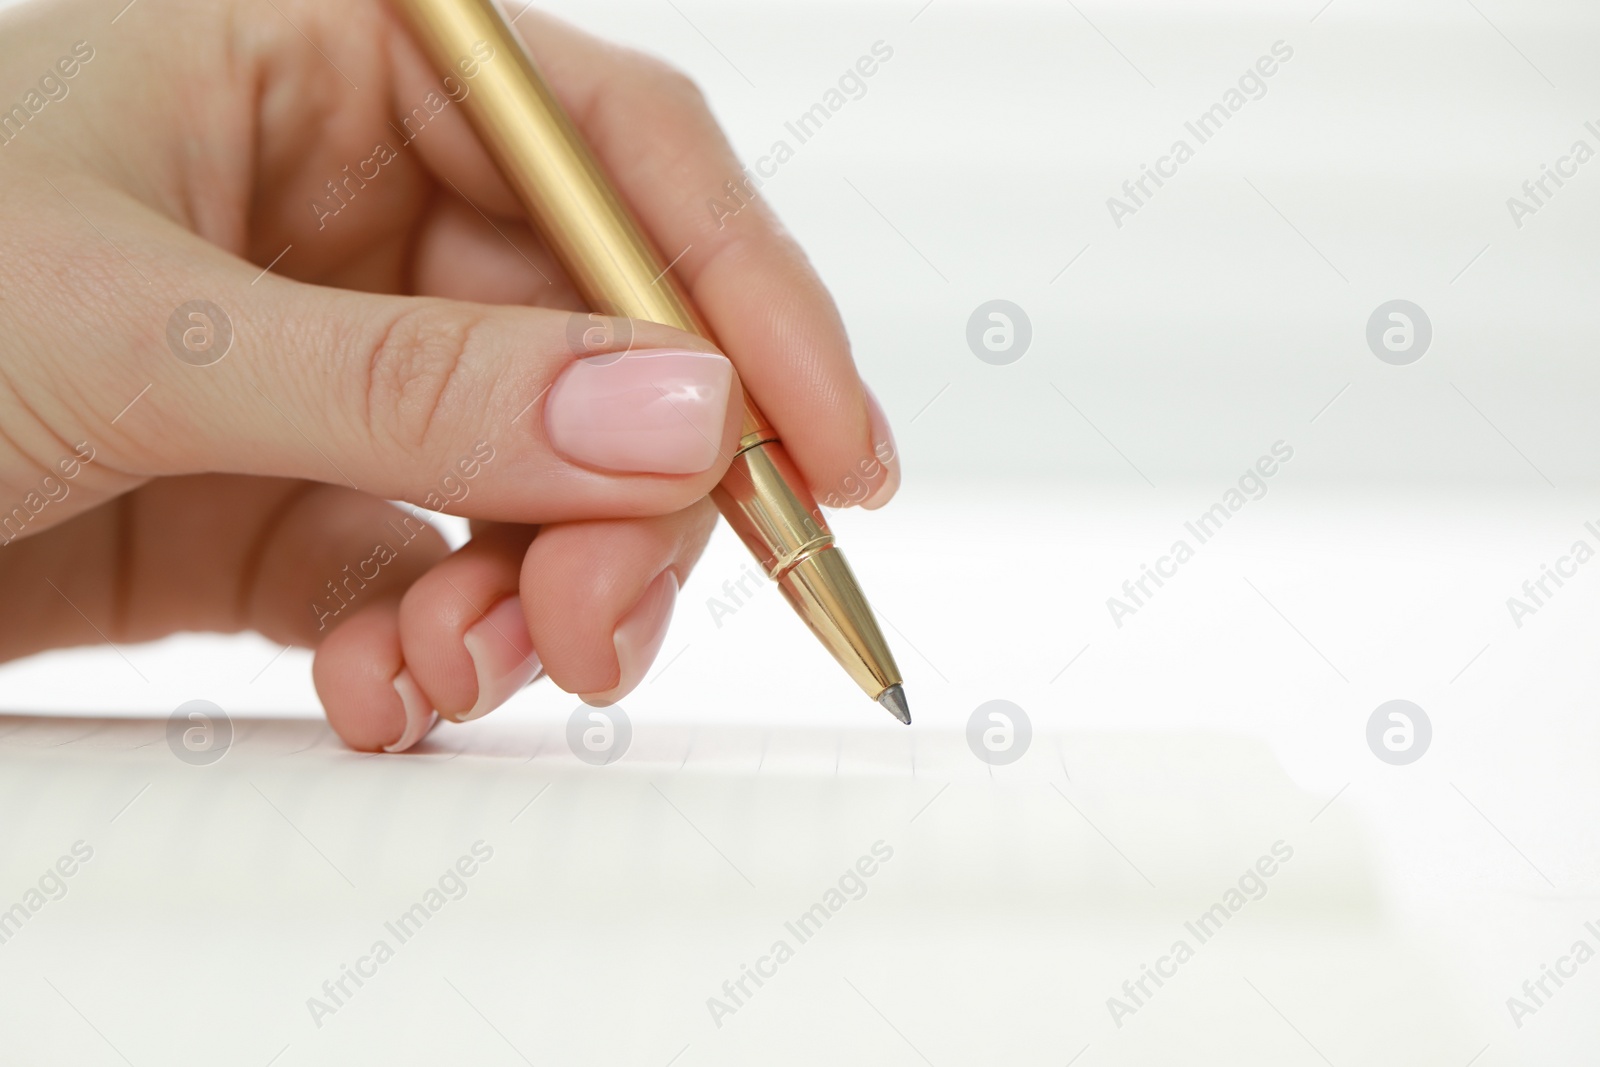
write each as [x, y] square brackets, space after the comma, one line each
[156, 476]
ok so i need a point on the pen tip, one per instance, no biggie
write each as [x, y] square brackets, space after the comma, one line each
[894, 698]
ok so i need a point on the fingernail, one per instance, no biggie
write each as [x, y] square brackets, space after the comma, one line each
[502, 654]
[884, 451]
[420, 715]
[660, 411]
[638, 638]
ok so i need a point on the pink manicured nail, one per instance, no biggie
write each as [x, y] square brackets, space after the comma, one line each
[502, 654]
[660, 411]
[638, 638]
[420, 716]
[884, 451]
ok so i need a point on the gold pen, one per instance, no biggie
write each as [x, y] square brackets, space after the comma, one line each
[619, 272]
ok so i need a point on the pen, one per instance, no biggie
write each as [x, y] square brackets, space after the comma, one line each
[618, 272]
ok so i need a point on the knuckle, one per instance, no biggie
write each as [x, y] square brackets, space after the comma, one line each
[417, 372]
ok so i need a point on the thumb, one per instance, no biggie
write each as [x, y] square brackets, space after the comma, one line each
[511, 413]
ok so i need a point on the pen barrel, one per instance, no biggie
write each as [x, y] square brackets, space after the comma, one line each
[792, 541]
[619, 272]
[609, 258]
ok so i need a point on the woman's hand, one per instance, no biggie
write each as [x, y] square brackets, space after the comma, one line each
[254, 277]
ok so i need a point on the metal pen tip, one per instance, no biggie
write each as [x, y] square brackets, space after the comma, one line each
[894, 698]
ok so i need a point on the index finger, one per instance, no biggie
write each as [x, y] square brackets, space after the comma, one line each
[651, 130]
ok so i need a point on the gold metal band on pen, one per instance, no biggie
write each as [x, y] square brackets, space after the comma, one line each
[789, 560]
[772, 520]
[759, 437]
